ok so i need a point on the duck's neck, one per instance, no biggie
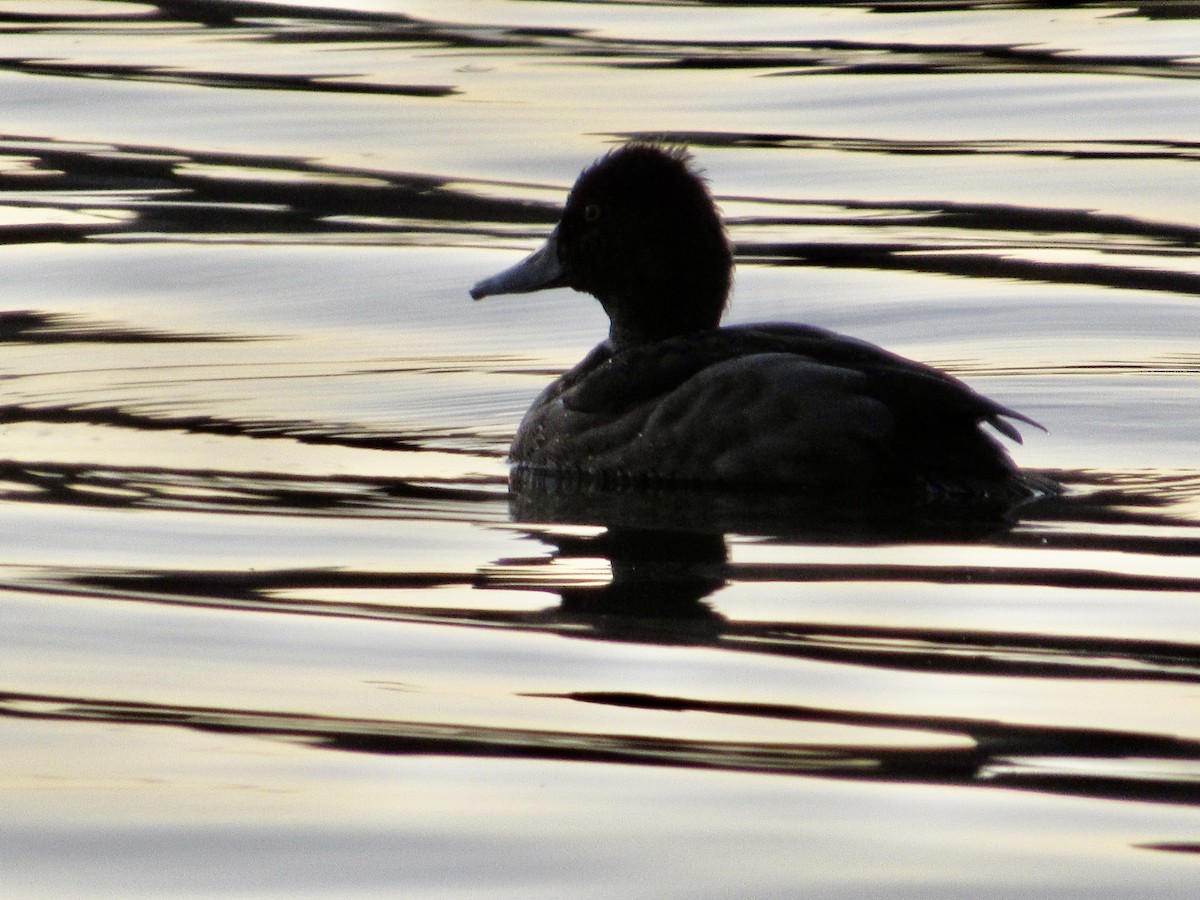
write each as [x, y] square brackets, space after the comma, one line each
[661, 314]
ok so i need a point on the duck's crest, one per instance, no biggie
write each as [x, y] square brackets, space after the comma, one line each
[653, 151]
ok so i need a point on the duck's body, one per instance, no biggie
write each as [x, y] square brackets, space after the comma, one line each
[763, 405]
[670, 396]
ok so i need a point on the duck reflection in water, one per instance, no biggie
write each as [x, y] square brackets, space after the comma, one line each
[667, 550]
[671, 398]
[660, 580]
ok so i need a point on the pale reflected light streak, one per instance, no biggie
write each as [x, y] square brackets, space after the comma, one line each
[960, 557]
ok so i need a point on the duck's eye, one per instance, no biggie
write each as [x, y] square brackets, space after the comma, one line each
[591, 212]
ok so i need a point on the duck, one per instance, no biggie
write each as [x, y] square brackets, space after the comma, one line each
[672, 397]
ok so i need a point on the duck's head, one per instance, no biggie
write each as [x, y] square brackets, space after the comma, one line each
[641, 234]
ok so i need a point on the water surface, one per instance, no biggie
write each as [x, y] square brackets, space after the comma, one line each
[275, 624]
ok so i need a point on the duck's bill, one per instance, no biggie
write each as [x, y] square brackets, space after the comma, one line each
[536, 272]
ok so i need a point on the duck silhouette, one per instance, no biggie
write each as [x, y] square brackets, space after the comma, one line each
[670, 397]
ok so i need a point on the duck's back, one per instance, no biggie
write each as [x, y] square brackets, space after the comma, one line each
[781, 405]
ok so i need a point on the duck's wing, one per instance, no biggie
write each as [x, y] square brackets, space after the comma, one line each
[921, 387]
[917, 394]
[759, 417]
